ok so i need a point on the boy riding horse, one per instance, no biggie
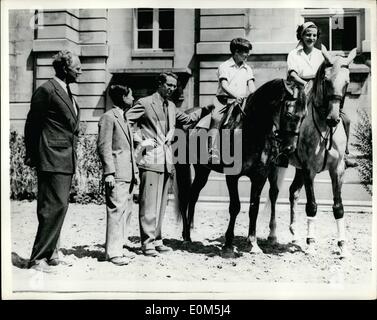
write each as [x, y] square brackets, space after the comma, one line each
[235, 83]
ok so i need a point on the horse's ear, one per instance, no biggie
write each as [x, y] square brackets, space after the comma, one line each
[351, 56]
[326, 54]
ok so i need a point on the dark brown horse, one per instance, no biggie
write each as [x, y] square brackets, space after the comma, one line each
[271, 120]
[321, 147]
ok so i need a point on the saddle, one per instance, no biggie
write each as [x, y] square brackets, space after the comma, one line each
[230, 120]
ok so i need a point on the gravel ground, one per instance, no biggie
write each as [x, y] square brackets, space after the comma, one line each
[197, 268]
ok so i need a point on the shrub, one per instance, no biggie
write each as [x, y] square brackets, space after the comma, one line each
[87, 184]
[363, 144]
[23, 179]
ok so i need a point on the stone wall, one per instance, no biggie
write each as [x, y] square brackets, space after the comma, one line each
[21, 65]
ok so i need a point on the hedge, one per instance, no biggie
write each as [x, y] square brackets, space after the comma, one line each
[87, 186]
[363, 144]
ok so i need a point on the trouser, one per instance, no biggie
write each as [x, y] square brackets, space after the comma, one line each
[52, 206]
[119, 201]
[217, 115]
[346, 124]
[153, 190]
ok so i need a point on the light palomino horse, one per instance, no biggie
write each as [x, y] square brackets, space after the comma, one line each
[321, 146]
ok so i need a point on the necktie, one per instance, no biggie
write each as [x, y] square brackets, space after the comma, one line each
[165, 108]
[71, 97]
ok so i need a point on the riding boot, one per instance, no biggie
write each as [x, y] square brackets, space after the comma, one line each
[346, 124]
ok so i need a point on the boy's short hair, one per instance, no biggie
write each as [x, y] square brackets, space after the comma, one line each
[240, 44]
[116, 93]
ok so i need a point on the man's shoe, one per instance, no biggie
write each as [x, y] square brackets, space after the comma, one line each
[119, 261]
[58, 262]
[41, 266]
[128, 254]
[162, 248]
[349, 163]
[150, 252]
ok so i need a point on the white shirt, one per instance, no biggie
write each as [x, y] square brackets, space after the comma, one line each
[305, 65]
[64, 86]
[237, 76]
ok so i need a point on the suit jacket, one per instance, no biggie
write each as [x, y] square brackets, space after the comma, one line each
[148, 113]
[51, 130]
[115, 146]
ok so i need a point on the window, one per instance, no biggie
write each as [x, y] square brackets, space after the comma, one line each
[339, 28]
[154, 29]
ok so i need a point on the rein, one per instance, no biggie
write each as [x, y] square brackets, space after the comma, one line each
[328, 138]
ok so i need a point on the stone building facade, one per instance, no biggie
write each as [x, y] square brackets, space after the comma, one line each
[137, 44]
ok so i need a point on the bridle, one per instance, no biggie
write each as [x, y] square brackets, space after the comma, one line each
[279, 133]
[327, 139]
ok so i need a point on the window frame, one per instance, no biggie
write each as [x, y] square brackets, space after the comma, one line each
[330, 13]
[155, 34]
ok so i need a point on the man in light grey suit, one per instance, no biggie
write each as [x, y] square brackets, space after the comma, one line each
[115, 148]
[156, 116]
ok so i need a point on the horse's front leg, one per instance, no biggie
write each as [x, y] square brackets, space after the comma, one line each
[311, 209]
[273, 195]
[336, 175]
[234, 209]
[294, 194]
[256, 190]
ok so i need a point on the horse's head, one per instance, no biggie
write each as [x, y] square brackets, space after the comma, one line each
[330, 86]
[292, 112]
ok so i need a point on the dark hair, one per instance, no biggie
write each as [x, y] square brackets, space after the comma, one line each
[240, 44]
[300, 29]
[161, 78]
[116, 93]
[62, 59]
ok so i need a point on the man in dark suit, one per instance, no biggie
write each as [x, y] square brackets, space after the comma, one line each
[157, 116]
[115, 149]
[51, 133]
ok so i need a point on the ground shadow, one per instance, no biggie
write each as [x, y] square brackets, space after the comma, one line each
[193, 247]
[85, 252]
[242, 245]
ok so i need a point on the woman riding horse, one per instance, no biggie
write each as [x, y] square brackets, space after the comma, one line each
[321, 146]
[303, 63]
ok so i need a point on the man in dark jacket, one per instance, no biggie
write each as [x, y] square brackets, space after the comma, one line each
[51, 133]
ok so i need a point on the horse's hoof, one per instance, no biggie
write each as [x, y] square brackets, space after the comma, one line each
[227, 253]
[272, 240]
[255, 248]
[310, 250]
[343, 250]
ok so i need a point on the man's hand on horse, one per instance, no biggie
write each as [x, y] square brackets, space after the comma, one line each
[110, 181]
[239, 101]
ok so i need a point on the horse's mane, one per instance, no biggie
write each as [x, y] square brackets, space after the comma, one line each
[316, 94]
[261, 106]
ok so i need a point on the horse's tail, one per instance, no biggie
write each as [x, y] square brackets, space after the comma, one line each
[281, 173]
[181, 188]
